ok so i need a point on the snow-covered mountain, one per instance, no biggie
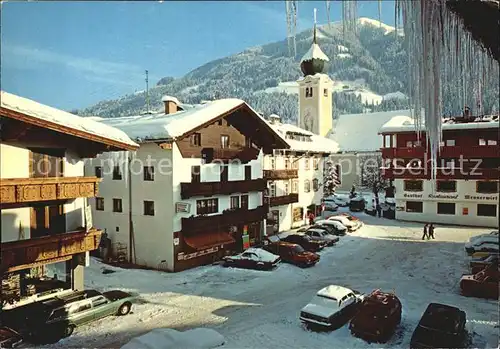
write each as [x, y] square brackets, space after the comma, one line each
[369, 71]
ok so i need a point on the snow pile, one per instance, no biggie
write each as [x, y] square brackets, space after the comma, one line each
[314, 52]
[394, 95]
[344, 55]
[53, 117]
[170, 99]
[166, 338]
[360, 132]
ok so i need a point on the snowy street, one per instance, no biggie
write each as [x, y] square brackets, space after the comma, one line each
[258, 309]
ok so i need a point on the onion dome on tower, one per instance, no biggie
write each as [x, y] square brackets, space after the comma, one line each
[314, 61]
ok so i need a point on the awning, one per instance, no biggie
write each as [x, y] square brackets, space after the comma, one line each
[207, 240]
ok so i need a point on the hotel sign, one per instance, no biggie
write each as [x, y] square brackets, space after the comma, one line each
[182, 207]
[481, 197]
[443, 196]
[451, 197]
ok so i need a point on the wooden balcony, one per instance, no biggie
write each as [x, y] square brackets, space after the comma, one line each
[26, 190]
[283, 200]
[226, 155]
[189, 190]
[403, 153]
[224, 220]
[29, 253]
[281, 174]
[442, 173]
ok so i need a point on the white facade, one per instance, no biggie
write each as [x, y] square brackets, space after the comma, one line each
[153, 236]
[16, 222]
[465, 199]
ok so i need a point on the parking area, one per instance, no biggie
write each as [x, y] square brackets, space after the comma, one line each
[260, 309]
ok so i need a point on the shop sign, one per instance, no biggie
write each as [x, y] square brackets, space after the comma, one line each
[465, 211]
[183, 207]
[88, 218]
[245, 230]
[176, 241]
[182, 256]
[443, 196]
[481, 197]
[246, 242]
[413, 196]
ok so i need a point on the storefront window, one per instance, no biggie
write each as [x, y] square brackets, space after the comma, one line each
[414, 206]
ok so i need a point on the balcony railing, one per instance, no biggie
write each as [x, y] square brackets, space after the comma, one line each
[471, 152]
[441, 173]
[283, 200]
[233, 217]
[281, 174]
[189, 190]
[25, 190]
[29, 253]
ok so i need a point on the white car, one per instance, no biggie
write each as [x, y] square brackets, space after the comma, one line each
[167, 338]
[481, 245]
[340, 200]
[321, 235]
[253, 258]
[331, 306]
[340, 229]
[491, 236]
[345, 221]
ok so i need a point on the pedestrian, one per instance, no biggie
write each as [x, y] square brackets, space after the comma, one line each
[425, 232]
[311, 218]
[431, 231]
[379, 210]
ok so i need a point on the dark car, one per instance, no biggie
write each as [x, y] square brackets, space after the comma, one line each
[479, 264]
[483, 284]
[357, 204]
[377, 318]
[9, 338]
[253, 258]
[52, 319]
[305, 241]
[293, 253]
[441, 326]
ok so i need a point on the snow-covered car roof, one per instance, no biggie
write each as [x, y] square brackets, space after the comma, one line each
[316, 230]
[337, 224]
[334, 291]
[262, 254]
[167, 338]
[344, 220]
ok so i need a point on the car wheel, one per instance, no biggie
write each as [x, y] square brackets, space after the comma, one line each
[68, 331]
[124, 309]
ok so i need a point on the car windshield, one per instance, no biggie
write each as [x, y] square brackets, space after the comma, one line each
[297, 249]
[440, 319]
[331, 298]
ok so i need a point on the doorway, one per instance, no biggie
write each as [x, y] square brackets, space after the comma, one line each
[47, 220]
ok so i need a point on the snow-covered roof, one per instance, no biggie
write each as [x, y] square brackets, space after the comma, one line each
[360, 132]
[334, 291]
[170, 99]
[315, 52]
[407, 124]
[317, 144]
[167, 338]
[52, 118]
[161, 126]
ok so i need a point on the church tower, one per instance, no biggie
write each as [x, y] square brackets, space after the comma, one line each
[315, 91]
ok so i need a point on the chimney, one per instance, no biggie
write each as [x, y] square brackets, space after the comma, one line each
[171, 104]
[274, 119]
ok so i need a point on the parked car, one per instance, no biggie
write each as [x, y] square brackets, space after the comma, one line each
[168, 338]
[305, 241]
[330, 307]
[351, 225]
[337, 228]
[329, 229]
[357, 204]
[479, 264]
[9, 338]
[481, 246]
[338, 199]
[322, 235]
[483, 284]
[52, 319]
[441, 326]
[330, 205]
[377, 318]
[493, 235]
[293, 253]
[253, 258]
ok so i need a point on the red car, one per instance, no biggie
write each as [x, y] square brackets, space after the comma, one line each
[377, 317]
[483, 284]
[293, 253]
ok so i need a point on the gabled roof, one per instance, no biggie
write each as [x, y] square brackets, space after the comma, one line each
[317, 144]
[171, 127]
[31, 112]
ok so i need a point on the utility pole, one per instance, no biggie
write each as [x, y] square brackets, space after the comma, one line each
[147, 92]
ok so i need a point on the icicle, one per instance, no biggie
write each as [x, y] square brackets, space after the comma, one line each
[349, 18]
[380, 14]
[328, 13]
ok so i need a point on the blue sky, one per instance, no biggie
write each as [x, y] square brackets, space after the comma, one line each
[73, 54]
